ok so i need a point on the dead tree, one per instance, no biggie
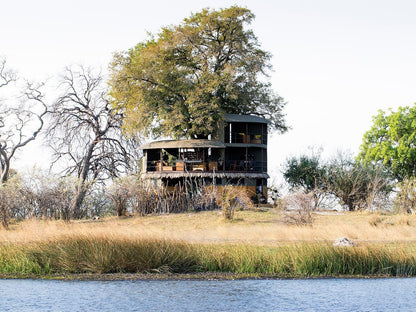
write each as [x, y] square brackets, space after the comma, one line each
[20, 123]
[85, 132]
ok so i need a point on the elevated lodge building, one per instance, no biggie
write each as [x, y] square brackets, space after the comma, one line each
[238, 157]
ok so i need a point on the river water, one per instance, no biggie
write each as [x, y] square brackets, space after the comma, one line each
[397, 294]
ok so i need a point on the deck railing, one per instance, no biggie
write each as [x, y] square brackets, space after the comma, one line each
[209, 166]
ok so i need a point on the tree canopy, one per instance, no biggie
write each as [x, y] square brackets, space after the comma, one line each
[392, 142]
[182, 81]
[356, 185]
[306, 173]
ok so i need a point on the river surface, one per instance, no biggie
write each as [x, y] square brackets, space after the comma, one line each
[397, 294]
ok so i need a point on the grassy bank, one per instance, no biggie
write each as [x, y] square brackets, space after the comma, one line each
[248, 227]
[83, 254]
[253, 244]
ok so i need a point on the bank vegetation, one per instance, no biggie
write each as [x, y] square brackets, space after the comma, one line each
[257, 243]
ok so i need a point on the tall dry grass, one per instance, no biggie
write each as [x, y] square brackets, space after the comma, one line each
[253, 242]
[82, 254]
[247, 227]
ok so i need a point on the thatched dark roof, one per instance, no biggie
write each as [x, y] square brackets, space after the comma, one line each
[245, 118]
[166, 144]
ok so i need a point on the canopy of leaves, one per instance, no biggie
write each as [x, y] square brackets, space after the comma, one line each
[305, 172]
[392, 142]
[182, 81]
[355, 185]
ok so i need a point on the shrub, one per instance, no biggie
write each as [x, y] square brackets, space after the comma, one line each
[231, 199]
[405, 200]
[9, 198]
[298, 209]
[376, 220]
[131, 194]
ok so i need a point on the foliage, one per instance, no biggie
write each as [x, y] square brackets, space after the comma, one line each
[391, 142]
[356, 185]
[43, 195]
[307, 173]
[274, 194]
[405, 200]
[182, 81]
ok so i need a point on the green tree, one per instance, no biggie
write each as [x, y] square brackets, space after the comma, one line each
[307, 174]
[355, 185]
[391, 141]
[405, 200]
[182, 81]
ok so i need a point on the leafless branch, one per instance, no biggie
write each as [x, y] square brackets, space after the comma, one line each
[86, 132]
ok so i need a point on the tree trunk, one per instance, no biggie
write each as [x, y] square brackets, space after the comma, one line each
[78, 200]
[82, 187]
[5, 167]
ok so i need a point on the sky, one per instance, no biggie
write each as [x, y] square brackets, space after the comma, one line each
[335, 62]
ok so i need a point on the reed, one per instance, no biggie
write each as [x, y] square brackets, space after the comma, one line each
[106, 254]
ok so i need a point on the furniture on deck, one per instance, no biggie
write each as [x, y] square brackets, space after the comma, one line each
[213, 165]
[180, 166]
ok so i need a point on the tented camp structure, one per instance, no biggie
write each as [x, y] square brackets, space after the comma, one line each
[236, 156]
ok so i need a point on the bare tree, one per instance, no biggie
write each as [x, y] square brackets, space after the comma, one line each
[6, 75]
[86, 132]
[298, 208]
[357, 186]
[19, 123]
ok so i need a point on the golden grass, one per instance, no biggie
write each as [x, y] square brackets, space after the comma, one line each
[104, 255]
[254, 242]
[248, 227]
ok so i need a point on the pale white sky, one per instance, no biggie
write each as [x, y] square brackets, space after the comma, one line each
[335, 62]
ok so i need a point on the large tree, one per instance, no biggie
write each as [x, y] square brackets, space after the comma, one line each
[182, 81]
[86, 132]
[21, 118]
[391, 141]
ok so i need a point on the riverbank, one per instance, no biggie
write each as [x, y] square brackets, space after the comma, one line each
[205, 276]
[204, 246]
